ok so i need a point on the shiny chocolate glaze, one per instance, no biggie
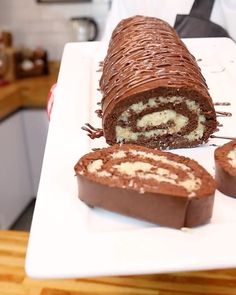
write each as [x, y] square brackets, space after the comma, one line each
[146, 58]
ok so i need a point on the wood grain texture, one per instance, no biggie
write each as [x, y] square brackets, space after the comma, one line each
[27, 93]
[13, 280]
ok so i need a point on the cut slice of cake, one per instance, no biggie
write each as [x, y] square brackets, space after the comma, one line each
[156, 186]
[225, 172]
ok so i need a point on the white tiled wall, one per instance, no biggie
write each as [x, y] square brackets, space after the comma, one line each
[47, 25]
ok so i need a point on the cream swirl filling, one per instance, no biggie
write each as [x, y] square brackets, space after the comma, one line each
[158, 118]
[232, 157]
[145, 170]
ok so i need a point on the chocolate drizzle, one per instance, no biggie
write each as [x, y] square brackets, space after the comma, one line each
[99, 113]
[223, 114]
[92, 131]
[100, 66]
[152, 53]
[222, 104]
[223, 137]
[101, 63]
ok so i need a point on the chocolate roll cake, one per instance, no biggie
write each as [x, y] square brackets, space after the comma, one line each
[152, 185]
[153, 91]
[225, 168]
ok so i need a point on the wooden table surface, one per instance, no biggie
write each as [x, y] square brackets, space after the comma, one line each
[13, 280]
[27, 93]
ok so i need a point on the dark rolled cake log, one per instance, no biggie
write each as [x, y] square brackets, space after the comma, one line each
[156, 186]
[225, 172]
[153, 91]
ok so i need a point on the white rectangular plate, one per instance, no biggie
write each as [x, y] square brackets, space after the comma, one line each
[68, 239]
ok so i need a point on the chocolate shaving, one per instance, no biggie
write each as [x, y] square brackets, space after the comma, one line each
[223, 137]
[100, 65]
[92, 131]
[222, 104]
[99, 113]
[218, 71]
[223, 114]
[96, 149]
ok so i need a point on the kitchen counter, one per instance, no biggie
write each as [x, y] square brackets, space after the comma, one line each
[13, 280]
[27, 93]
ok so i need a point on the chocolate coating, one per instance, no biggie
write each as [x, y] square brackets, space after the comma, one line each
[162, 202]
[146, 59]
[225, 173]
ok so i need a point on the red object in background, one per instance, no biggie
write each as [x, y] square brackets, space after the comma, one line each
[3, 82]
[51, 96]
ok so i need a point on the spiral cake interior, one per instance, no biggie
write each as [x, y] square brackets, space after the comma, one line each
[152, 185]
[143, 170]
[153, 118]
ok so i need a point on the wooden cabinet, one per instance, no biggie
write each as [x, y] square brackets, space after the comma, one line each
[15, 179]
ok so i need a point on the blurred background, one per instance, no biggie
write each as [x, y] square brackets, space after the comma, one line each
[32, 37]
